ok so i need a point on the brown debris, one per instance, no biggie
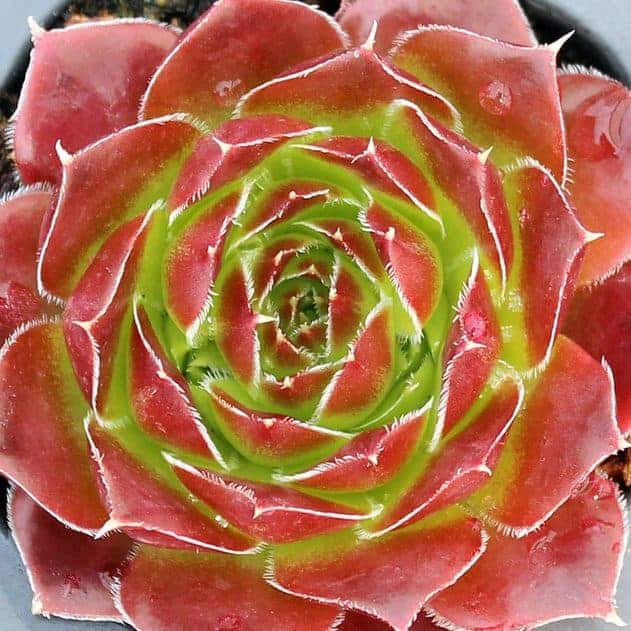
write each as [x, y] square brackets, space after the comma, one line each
[618, 468]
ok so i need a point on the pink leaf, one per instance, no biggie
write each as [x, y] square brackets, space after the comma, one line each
[362, 382]
[354, 83]
[192, 262]
[274, 514]
[460, 465]
[205, 591]
[566, 569]
[84, 83]
[160, 395]
[268, 438]
[97, 308]
[598, 118]
[43, 447]
[507, 95]
[552, 244]
[149, 509]
[599, 321]
[97, 194]
[71, 574]
[573, 397]
[503, 19]
[389, 578]
[233, 150]
[371, 459]
[235, 46]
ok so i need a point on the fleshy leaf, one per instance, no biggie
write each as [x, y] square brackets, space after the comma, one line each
[274, 514]
[369, 460]
[43, 447]
[96, 309]
[507, 95]
[597, 114]
[599, 321]
[268, 439]
[362, 382]
[381, 166]
[97, 194]
[552, 243]
[389, 578]
[503, 19]
[192, 262]
[236, 322]
[211, 591]
[573, 397]
[467, 176]
[21, 218]
[18, 305]
[160, 395]
[412, 261]
[472, 348]
[461, 464]
[150, 509]
[343, 91]
[230, 152]
[79, 98]
[69, 571]
[234, 47]
[566, 569]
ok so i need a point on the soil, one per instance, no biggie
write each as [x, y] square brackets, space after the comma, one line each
[548, 25]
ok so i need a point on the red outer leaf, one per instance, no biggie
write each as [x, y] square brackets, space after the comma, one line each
[69, 572]
[566, 569]
[389, 578]
[80, 98]
[273, 514]
[460, 466]
[485, 80]
[472, 182]
[217, 592]
[98, 194]
[471, 351]
[268, 438]
[97, 308]
[21, 218]
[598, 117]
[369, 460]
[599, 321]
[503, 20]
[573, 397]
[361, 384]
[40, 405]
[234, 148]
[149, 509]
[235, 46]
[18, 305]
[351, 83]
[192, 263]
[160, 395]
[552, 243]
[412, 261]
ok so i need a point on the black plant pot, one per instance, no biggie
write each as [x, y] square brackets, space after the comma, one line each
[599, 42]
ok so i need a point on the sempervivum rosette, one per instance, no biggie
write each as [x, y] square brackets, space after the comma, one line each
[287, 353]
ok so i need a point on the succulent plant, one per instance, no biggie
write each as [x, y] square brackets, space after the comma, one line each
[332, 334]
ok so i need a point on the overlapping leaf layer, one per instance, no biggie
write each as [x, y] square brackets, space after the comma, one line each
[289, 346]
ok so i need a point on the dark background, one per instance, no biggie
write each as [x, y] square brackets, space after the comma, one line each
[604, 23]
